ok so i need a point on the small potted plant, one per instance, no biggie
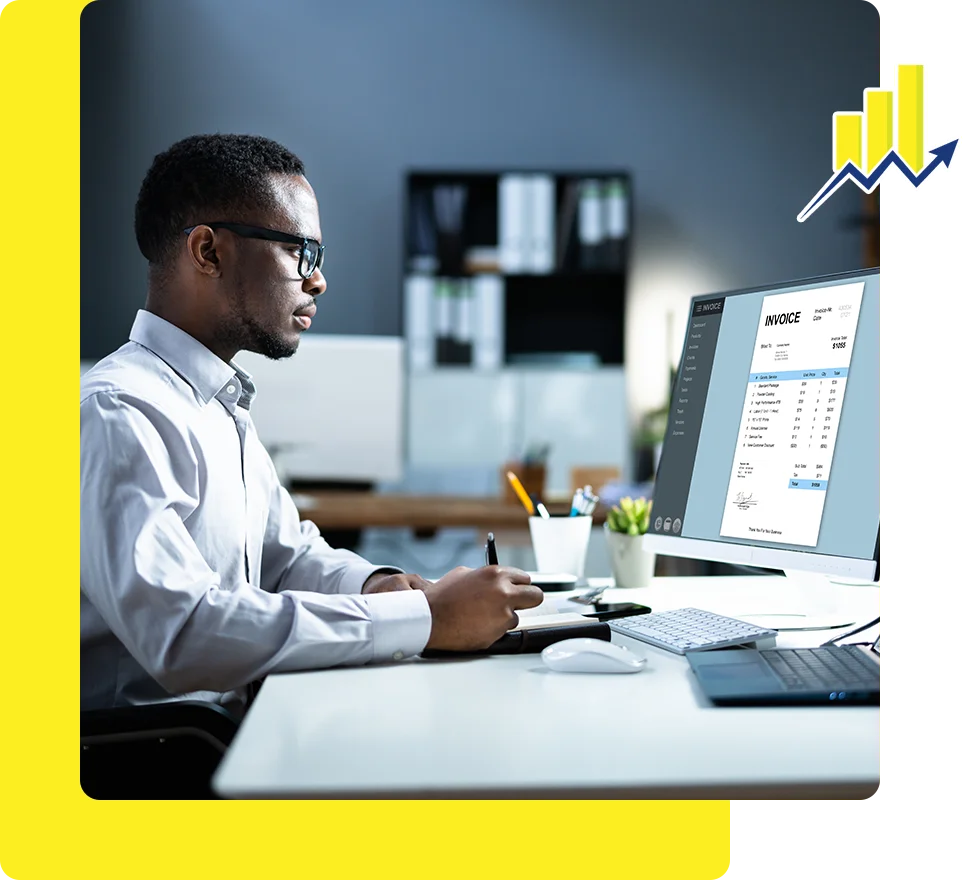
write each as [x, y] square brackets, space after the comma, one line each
[625, 525]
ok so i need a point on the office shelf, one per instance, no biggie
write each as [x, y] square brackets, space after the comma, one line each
[515, 264]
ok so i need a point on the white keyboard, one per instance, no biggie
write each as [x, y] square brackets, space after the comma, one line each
[691, 629]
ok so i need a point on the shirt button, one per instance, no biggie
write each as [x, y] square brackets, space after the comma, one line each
[398, 655]
[231, 389]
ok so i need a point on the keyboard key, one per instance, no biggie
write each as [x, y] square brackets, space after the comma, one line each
[827, 668]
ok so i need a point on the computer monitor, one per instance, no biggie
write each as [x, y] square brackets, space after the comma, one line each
[334, 410]
[771, 451]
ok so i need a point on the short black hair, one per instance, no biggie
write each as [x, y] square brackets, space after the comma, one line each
[202, 179]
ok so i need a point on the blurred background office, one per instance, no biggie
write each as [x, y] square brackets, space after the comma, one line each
[654, 150]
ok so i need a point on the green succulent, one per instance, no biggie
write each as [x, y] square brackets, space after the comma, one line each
[630, 517]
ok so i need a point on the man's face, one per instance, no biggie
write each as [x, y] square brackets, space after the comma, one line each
[269, 304]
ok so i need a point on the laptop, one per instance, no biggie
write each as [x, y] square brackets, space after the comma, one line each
[830, 675]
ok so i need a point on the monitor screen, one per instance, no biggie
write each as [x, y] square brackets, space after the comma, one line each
[771, 451]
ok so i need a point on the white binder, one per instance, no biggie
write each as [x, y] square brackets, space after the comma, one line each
[419, 330]
[541, 189]
[489, 321]
[512, 223]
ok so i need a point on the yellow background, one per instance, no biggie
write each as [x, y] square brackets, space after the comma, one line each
[49, 828]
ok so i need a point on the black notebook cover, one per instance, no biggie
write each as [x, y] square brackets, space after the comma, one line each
[531, 641]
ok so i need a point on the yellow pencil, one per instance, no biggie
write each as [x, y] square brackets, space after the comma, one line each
[521, 493]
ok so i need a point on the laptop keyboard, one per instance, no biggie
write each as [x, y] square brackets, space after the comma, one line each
[831, 667]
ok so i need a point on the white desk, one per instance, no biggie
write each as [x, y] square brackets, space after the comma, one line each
[507, 727]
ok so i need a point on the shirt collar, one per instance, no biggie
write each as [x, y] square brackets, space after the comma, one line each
[203, 370]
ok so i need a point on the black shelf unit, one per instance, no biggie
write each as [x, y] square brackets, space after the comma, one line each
[574, 303]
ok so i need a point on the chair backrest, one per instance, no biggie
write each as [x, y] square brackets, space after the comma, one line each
[160, 751]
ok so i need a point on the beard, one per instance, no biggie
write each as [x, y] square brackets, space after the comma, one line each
[261, 341]
[245, 333]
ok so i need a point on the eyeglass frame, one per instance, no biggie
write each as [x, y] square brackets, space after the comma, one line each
[259, 232]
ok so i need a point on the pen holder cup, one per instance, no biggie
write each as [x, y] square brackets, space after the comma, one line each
[560, 543]
[531, 476]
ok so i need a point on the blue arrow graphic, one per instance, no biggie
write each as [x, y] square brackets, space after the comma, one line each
[868, 184]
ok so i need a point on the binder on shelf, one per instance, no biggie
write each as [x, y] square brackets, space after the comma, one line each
[419, 329]
[512, 223]
[591, 230]
[541, 196]
[616, 223]
[464, 297]
[489, 321]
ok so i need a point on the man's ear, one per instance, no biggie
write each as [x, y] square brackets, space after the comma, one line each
[202, 247]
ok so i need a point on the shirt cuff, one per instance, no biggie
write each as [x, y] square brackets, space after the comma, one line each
[354, 577]
[400, 624]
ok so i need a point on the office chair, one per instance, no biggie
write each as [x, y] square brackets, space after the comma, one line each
[157, 752]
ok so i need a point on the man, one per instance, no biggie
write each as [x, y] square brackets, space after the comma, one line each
[196, 577]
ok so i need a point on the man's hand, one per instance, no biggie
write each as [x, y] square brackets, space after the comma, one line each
[390, 582]
[472, 607]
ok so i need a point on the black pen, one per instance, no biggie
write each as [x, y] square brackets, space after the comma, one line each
[491, 557]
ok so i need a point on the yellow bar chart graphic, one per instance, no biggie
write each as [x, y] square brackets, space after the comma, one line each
[910, 142]
[848, 139]
[878, 107]
[865, 138]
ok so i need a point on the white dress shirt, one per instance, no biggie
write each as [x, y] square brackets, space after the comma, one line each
[196, 576]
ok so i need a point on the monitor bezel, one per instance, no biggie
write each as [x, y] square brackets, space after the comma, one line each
[746, 554]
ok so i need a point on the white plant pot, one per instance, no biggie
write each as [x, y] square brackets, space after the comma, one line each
[631, 565]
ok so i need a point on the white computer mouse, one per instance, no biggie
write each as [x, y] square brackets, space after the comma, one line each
[591, 655]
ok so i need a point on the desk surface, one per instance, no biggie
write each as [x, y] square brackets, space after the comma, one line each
[356, 510]
[507, 727]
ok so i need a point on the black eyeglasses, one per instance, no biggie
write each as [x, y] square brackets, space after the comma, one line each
[312, 252]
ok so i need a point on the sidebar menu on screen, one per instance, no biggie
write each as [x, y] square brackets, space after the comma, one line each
[686, 410]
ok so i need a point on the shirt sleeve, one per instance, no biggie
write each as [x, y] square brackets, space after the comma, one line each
[296, 557]
[144, 574]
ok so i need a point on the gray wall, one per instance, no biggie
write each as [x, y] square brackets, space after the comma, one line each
[721, 110]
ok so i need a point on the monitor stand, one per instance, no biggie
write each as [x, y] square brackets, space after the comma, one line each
[810, 601]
